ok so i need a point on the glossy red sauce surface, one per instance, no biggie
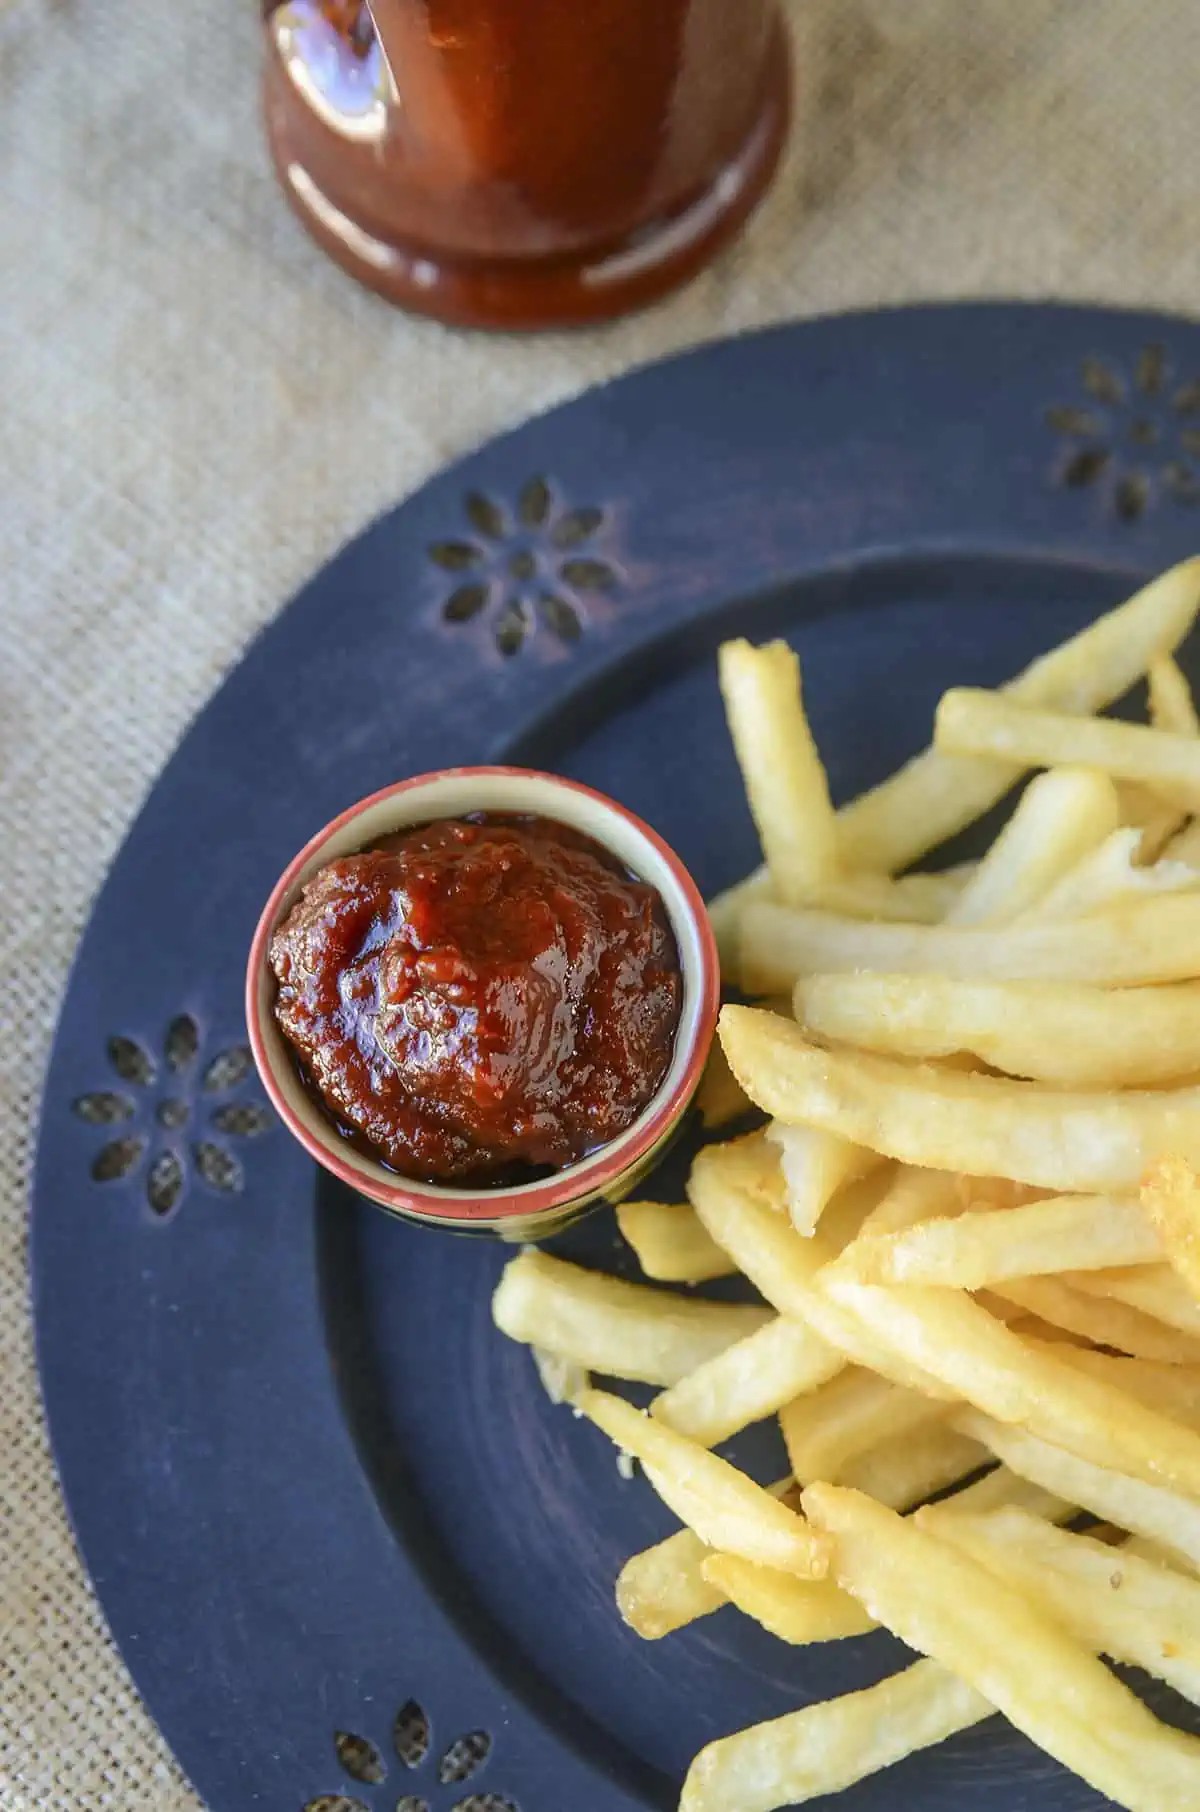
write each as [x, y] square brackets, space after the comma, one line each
[480, 999]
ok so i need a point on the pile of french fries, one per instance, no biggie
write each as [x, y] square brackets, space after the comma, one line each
[973, 1219]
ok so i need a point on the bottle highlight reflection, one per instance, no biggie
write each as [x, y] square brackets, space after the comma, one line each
[525, 162]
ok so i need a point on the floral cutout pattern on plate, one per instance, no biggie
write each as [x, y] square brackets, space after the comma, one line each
[525, 572]
[173, 1115]
[411, 1741]
[1135, 436]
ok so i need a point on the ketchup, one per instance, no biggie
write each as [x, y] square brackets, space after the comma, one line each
[479, 1000]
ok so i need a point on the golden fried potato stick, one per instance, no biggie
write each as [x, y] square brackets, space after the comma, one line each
[1153, 937]
[785, 781]
[1069, 1034]
[1171, 1200]
[726, 1509]
[983, 1125]
[1001, 1642]
[936, 794]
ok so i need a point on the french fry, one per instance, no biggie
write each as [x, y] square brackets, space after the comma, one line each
[854, 1202]
[803, 1611]
[827, 1428]
[1173, 1390]
[982, 1125]
[1185, 847]
[785, 782]
[827, 1747]
[906, 1469]
[748, 1381]
[815, 1165]
[920, 899]
[970, 722]
[671, 1245]
[1155, 938]
[1155, 821]
[1154, 1511]
[936, 795]
[623, 1329]
[1119, 873]
[1170, 1199]
[1172, 706]
[725, 916]
[1107, 1322]
[1060, 818]
[726, 1509]
[916, 899]
[958, 1612]
[720, 1097]
[796, 1610]
[780, 1262]
[1130, 1608]
[1001, 1488]
[1064, 1033]
[1155, 1290]
[562, 1380]
[664, 1587]
[973, 1251]
[913, 1196]
[948, 1336]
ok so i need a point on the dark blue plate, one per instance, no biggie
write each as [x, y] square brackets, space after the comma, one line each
[313, 1487]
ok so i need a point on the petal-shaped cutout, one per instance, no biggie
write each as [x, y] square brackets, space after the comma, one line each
[1182, 482]
[244, 1119]
[1189, 439]
[588, 575]
[465, 1757]
[410, 1734]
[219, 1168]
[1086, 466]
[117, 1160]
[561, 617]
[335, 1802]
[512, 626]
[164, 1182]
[1102, 382]
[359, 1757]
[131, 1061]
[456, 556]
[1151, 369]
[465, 603]
[411, 1802]
[1130, 496]
[485, 1802]
[1068, 420]
[533, 504]
[485, 516]
[227, 1069]
[102, 1109]
[574, 526]
[1187, 399]
[182, 1042]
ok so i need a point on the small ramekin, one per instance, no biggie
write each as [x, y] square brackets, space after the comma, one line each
[532, 1210]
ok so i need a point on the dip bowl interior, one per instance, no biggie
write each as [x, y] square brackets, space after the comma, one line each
[529, 1210]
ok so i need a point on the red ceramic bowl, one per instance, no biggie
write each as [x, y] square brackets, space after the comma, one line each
[607, 1175]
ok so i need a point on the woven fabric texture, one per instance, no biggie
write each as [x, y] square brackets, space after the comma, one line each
[197, 408]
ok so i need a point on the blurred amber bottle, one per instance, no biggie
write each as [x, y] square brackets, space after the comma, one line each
[524, 163]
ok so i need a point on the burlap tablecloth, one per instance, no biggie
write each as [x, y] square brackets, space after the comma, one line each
[196, 409]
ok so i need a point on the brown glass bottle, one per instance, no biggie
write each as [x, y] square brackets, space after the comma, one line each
[524, 163]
